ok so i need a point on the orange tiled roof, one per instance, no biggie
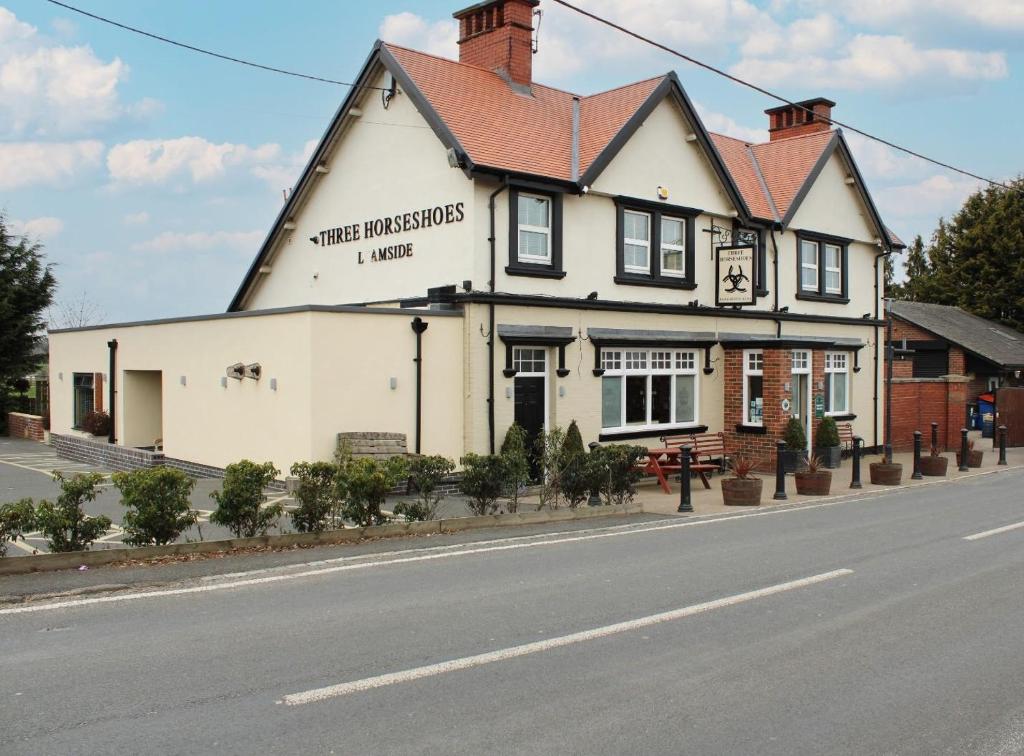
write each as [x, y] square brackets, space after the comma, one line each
[502, 128]
[740, 161]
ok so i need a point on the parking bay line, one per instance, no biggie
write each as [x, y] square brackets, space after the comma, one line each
[994, 531]
[468, 662]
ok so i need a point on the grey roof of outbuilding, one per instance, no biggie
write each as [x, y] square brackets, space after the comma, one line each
[992, 341]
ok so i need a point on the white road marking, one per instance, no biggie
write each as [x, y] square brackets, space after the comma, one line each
[468, 662]
[994, 531]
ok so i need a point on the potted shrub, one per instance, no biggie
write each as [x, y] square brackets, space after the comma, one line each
[886, 472]
[974, 456]
[814, 481]
[794, 456]
[743, 489]
[826, 443]
[934, 465]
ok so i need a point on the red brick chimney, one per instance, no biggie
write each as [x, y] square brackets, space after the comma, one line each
[498, 34]
[789, 121]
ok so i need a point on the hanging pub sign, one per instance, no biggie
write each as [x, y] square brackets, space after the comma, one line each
[734, 274]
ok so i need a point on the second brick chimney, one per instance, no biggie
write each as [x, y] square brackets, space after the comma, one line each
[498, 34]
[789, 121]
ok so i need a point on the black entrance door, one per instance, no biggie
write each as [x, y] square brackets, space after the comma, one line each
[529, 397]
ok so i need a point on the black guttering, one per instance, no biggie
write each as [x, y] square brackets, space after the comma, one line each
[492, 239]
[534, 300]
[261, 313]
[378, 55]
[112, 387]
[418, 327]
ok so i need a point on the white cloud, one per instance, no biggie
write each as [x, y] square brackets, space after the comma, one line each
[409, 30]
[45, 227]
[48, 89]
[136, 219]
[723, 124]
[285, 172]
[28, 163]
[158, 161]
[932, 197]
[199, 241]
[869, 61]
[1001, 15]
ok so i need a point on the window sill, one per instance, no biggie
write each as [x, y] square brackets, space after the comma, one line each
[756, 430]
[650, 432]
[534, 271]
[841, 416]
[831, 298]
[631, 279]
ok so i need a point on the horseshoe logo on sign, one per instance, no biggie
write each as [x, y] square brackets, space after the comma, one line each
[735, 279]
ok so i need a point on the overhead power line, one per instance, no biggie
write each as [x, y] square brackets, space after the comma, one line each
[773, 95]
[212, 54]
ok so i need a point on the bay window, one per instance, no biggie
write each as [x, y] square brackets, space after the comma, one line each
[821, 267]
[837, 383]
[648, 388]
[753, 387]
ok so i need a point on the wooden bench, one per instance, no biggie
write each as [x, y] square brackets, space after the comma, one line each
[707, 452]
[845, 436]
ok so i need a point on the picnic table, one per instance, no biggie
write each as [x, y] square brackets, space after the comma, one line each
[666, 460]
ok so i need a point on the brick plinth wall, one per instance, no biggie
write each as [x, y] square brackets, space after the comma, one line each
[103, 454]
[21, 425]
[917, 402]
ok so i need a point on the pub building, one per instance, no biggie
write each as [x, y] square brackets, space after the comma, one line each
[521, 253]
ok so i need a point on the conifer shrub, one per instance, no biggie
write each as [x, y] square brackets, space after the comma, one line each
[827, 435]
[516, 464]
[576, 469]
[794, 435]
[240, 501]
[158, 505]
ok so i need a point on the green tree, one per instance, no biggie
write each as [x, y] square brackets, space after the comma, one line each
[65, 523]
[158, 505]
[316, 496]
[26, 290]
[368, 482]
[16, 519]
[240, 501]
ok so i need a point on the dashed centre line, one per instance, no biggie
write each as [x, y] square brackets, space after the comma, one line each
[994, 531]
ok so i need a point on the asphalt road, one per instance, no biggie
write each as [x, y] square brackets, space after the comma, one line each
[860, 627]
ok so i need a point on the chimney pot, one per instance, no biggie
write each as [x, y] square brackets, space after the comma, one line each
[794, 120]
[498, 35]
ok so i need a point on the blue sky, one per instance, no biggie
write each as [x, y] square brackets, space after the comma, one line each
[151, 174]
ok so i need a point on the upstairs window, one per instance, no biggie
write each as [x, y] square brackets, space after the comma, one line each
[534, 233]
[655, 245]
[821, 267]
[534, 229]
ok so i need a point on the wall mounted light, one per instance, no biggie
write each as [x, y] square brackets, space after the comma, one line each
[561, 391]
[392, 383]
[184, 381]
[253, 370]
[60, 376]
[273, 384]
[235, 371]
[223, 382]
[508, 392]
[663, 192]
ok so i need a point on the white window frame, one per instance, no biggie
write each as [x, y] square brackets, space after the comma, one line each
[804, 366]
[620, 362]
[646, 270]
[810, 266]
[832, 370]
[517, 360]
[829, 269]
[545, 230]
[749, 371]
[680, 248]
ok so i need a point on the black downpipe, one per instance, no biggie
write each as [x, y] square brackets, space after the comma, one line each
[775, 266]
[490, 309]
[878, 257]
[112, 387]
[418, 327]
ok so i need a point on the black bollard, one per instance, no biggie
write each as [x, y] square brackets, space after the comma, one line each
[963, 451]
[594, 500]
[857, 443]
[1002, 445]
[685, 505]
[917, 457]
[935, 435]
[780, 472]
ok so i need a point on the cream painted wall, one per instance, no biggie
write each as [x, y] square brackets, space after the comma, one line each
[387, 162]
[331, 370]
[582, 390]
[142, 413]
[354, 358]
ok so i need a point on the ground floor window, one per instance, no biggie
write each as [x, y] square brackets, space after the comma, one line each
[648, 388]
[83, 402]
[753, 387]
[837, 383]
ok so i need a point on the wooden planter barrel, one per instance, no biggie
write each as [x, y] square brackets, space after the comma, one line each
[741, 492]
[974, 457]
[813, 483]
[886, 474]
[934, 467]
